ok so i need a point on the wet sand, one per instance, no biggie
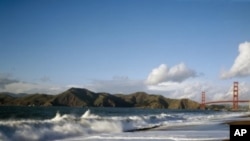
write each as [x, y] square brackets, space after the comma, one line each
[239, 122]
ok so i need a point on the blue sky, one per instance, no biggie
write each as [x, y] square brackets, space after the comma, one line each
[115, 45]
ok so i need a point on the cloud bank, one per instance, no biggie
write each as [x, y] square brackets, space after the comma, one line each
[116, 85]
[176, 73]
[6, 79]
[187, 89]
[24, 87]
[241, 66]
[167, 81]
[9, 84]
[192, 90]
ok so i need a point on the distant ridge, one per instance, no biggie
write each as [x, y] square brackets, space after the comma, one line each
[80, 97]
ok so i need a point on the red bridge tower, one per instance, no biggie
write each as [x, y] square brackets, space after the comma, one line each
[203, 101]
[235, 95]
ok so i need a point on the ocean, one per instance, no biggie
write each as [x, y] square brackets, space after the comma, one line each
[113, 124]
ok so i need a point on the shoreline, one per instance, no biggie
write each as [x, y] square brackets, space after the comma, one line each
[244, 121]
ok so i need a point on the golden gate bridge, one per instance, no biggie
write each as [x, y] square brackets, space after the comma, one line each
[235, 99]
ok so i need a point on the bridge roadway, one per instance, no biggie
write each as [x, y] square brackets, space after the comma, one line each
[225, 101]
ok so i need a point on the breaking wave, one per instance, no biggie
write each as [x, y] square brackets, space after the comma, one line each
[68, 125]
[61, 126]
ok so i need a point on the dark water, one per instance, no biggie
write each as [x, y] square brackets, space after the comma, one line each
[22, 112]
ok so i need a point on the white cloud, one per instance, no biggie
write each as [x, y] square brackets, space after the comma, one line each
[187, 89]
[244, 91]
[241, 66]
[177, 73]
[24, 87]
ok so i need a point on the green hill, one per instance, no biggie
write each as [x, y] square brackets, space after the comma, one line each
[78, 97]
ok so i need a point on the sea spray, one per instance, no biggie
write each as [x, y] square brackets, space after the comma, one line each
[111, 123]
[60, 126]
[89, 115]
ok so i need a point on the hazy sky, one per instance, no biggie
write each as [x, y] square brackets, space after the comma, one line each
[172, 47]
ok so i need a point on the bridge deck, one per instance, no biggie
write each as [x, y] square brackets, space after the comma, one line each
[225, 101]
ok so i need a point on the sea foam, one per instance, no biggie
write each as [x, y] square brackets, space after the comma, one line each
[92, 126]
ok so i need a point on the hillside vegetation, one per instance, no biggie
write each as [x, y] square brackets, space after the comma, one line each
[78, 97]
